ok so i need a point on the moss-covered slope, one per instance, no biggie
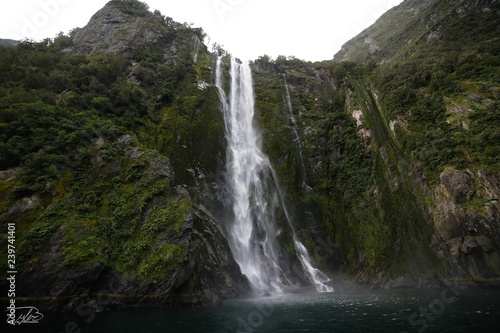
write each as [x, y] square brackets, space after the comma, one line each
[107, 151]
[421, 28]
[382, 197]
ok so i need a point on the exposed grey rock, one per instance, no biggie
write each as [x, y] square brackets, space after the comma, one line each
[125, 139]
[475, 98]
[468, 238]
[458, 184]
[10, 174]
[112, 31]
[205, 274]
[25, 204]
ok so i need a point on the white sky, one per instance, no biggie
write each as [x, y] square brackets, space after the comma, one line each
[308, 29]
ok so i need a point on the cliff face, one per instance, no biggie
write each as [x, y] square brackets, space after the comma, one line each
[428, 26]
[466, 224]
[126, 227]
[113, 155]
[123, 218]
[129, 28]
[400, 147]
[111, 30]
[371, 208]
[459, 196]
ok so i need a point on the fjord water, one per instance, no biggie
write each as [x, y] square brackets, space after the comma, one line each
[386, 311]
[255, 193]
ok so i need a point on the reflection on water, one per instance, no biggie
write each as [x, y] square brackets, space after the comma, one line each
[440, 310]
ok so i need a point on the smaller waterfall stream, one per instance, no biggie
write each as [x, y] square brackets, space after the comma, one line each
[294, 124]
[255, 193]
[314, 275]
[196, 48]
[290, 109]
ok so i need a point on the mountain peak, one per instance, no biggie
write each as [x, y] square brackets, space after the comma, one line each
[424, 26]
[118, 28]
[8, 42]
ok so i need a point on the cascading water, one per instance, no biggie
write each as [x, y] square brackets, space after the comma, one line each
[252, 232]
[196, 48]
[294, 124]
[255, 193]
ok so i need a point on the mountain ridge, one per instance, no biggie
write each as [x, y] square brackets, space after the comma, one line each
[113, 156]
[413, 25]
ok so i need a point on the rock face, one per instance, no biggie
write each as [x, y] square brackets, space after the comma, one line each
[111, 31]
[128, 225]
[406, 26]
[467, 224]
[120, 28]
[165, 251]
[402, 228]
[388, 27]
[460, 208]
[104, 28]
[207, 274]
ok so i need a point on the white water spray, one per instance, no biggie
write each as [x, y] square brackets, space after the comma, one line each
[255, 193]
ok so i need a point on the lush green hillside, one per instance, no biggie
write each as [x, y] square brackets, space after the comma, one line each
[99, 155]
[430, 28]
[112, 155]
[375, 178]
[438, 81]
[403, 155]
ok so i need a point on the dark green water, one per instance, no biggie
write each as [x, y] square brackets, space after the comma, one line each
[440, 310]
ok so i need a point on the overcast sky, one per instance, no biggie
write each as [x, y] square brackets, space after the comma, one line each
[310, 30]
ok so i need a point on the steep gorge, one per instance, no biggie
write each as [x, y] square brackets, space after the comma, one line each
[389, 166]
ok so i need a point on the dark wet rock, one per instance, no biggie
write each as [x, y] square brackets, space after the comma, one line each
[204, 273]
[207, 275]
[467, 224]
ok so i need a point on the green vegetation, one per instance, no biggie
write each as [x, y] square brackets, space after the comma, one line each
[52, 110]
[433, 105]
[418, 29]
[115, 215]
[438, 73]
[438, 133]
[99, 143]
[132, 7]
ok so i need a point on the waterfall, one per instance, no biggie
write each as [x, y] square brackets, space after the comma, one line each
[294, 124]
[255, 193]
[196, 48]
[314, 275]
